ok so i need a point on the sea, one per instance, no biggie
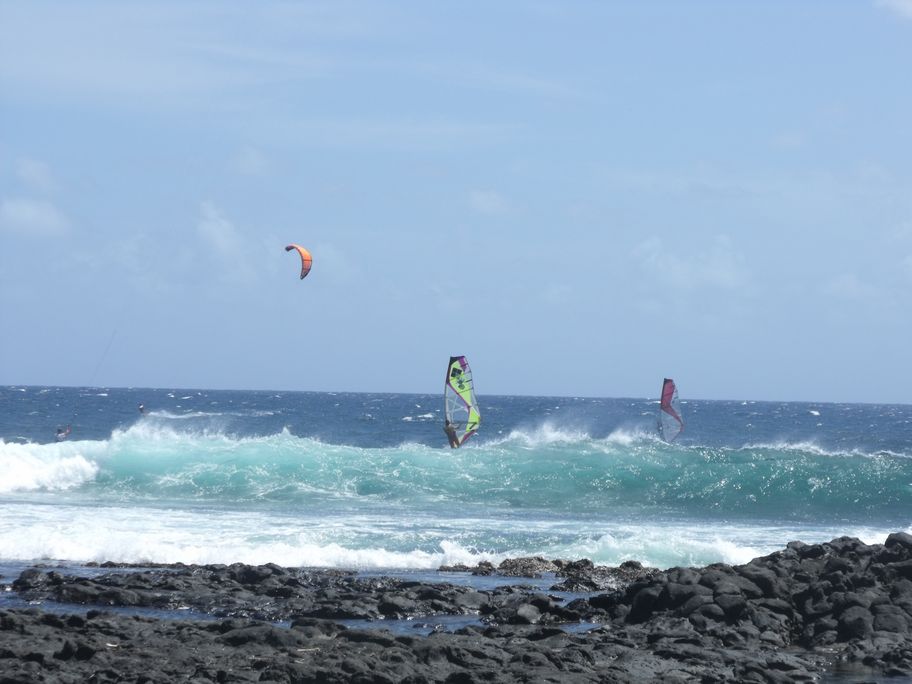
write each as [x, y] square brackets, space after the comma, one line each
[368, 482]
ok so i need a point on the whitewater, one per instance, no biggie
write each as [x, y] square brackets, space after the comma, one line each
[366, 481]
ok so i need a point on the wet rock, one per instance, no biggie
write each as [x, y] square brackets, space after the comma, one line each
[525, 567]
[31, 578]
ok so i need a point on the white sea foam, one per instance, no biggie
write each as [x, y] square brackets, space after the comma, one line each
[422, 417]
[138, 535]
[627, 437]
[146, 535]
[169, 415]
[32, 467]
[810, 447]
[544, 434]
[675, 544]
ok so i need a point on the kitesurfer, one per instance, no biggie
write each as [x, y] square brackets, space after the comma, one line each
[450, 431]
[142, 410]
[62, 434]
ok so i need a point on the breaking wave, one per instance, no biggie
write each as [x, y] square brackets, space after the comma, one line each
[543, 467]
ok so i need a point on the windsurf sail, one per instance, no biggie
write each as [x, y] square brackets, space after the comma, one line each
[670, 423]
[460, 403]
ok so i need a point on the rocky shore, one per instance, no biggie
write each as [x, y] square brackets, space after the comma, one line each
[791, 616]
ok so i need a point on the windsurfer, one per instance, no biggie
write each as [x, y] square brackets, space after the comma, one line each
[450, 431]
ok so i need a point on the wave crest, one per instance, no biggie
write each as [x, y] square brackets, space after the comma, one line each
[50, 467]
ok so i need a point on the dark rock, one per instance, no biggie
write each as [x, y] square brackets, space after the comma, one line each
[890, 618]
[484, 568]
[732, 605]
[900, 539]
[525, 567]
[855, 623]
[693, 603]
[396, 605]
[643, 601]
[84, 652]
[901, 568]
[763, 621]
[676, 594]
[379, 638]
[526, 614]
[30, 578]
[67, 651]
[263, 634]
[471, 600]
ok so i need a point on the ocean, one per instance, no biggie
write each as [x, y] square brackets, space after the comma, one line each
[367, 481]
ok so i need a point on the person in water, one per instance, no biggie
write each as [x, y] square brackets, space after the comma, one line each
[142, 409]
[450, 431]
[62, 434]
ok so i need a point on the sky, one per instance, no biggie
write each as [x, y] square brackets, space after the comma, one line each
[581, 197]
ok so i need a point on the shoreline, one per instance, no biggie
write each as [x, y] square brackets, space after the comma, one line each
[794, 615]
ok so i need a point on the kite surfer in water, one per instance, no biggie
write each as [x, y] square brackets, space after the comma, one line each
[62, 434]
[450, 431]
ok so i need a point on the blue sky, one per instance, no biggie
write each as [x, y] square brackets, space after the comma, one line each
[581, 197]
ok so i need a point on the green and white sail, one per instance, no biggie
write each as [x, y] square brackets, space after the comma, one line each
[460, 403]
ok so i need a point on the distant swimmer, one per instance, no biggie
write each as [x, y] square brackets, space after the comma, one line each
[62, 434]
[450, 431]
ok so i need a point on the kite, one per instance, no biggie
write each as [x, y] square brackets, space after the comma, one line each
[305, 259]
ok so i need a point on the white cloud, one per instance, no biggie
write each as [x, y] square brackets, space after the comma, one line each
[31, 217]
[168, 54]
[901, 7]
[176, 57]
[217, 230]
[161, 55]
[719, 266]
[489, 202]
[220, 235]
[35, 174]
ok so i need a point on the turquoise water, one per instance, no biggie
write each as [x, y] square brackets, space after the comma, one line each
[366, 481]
